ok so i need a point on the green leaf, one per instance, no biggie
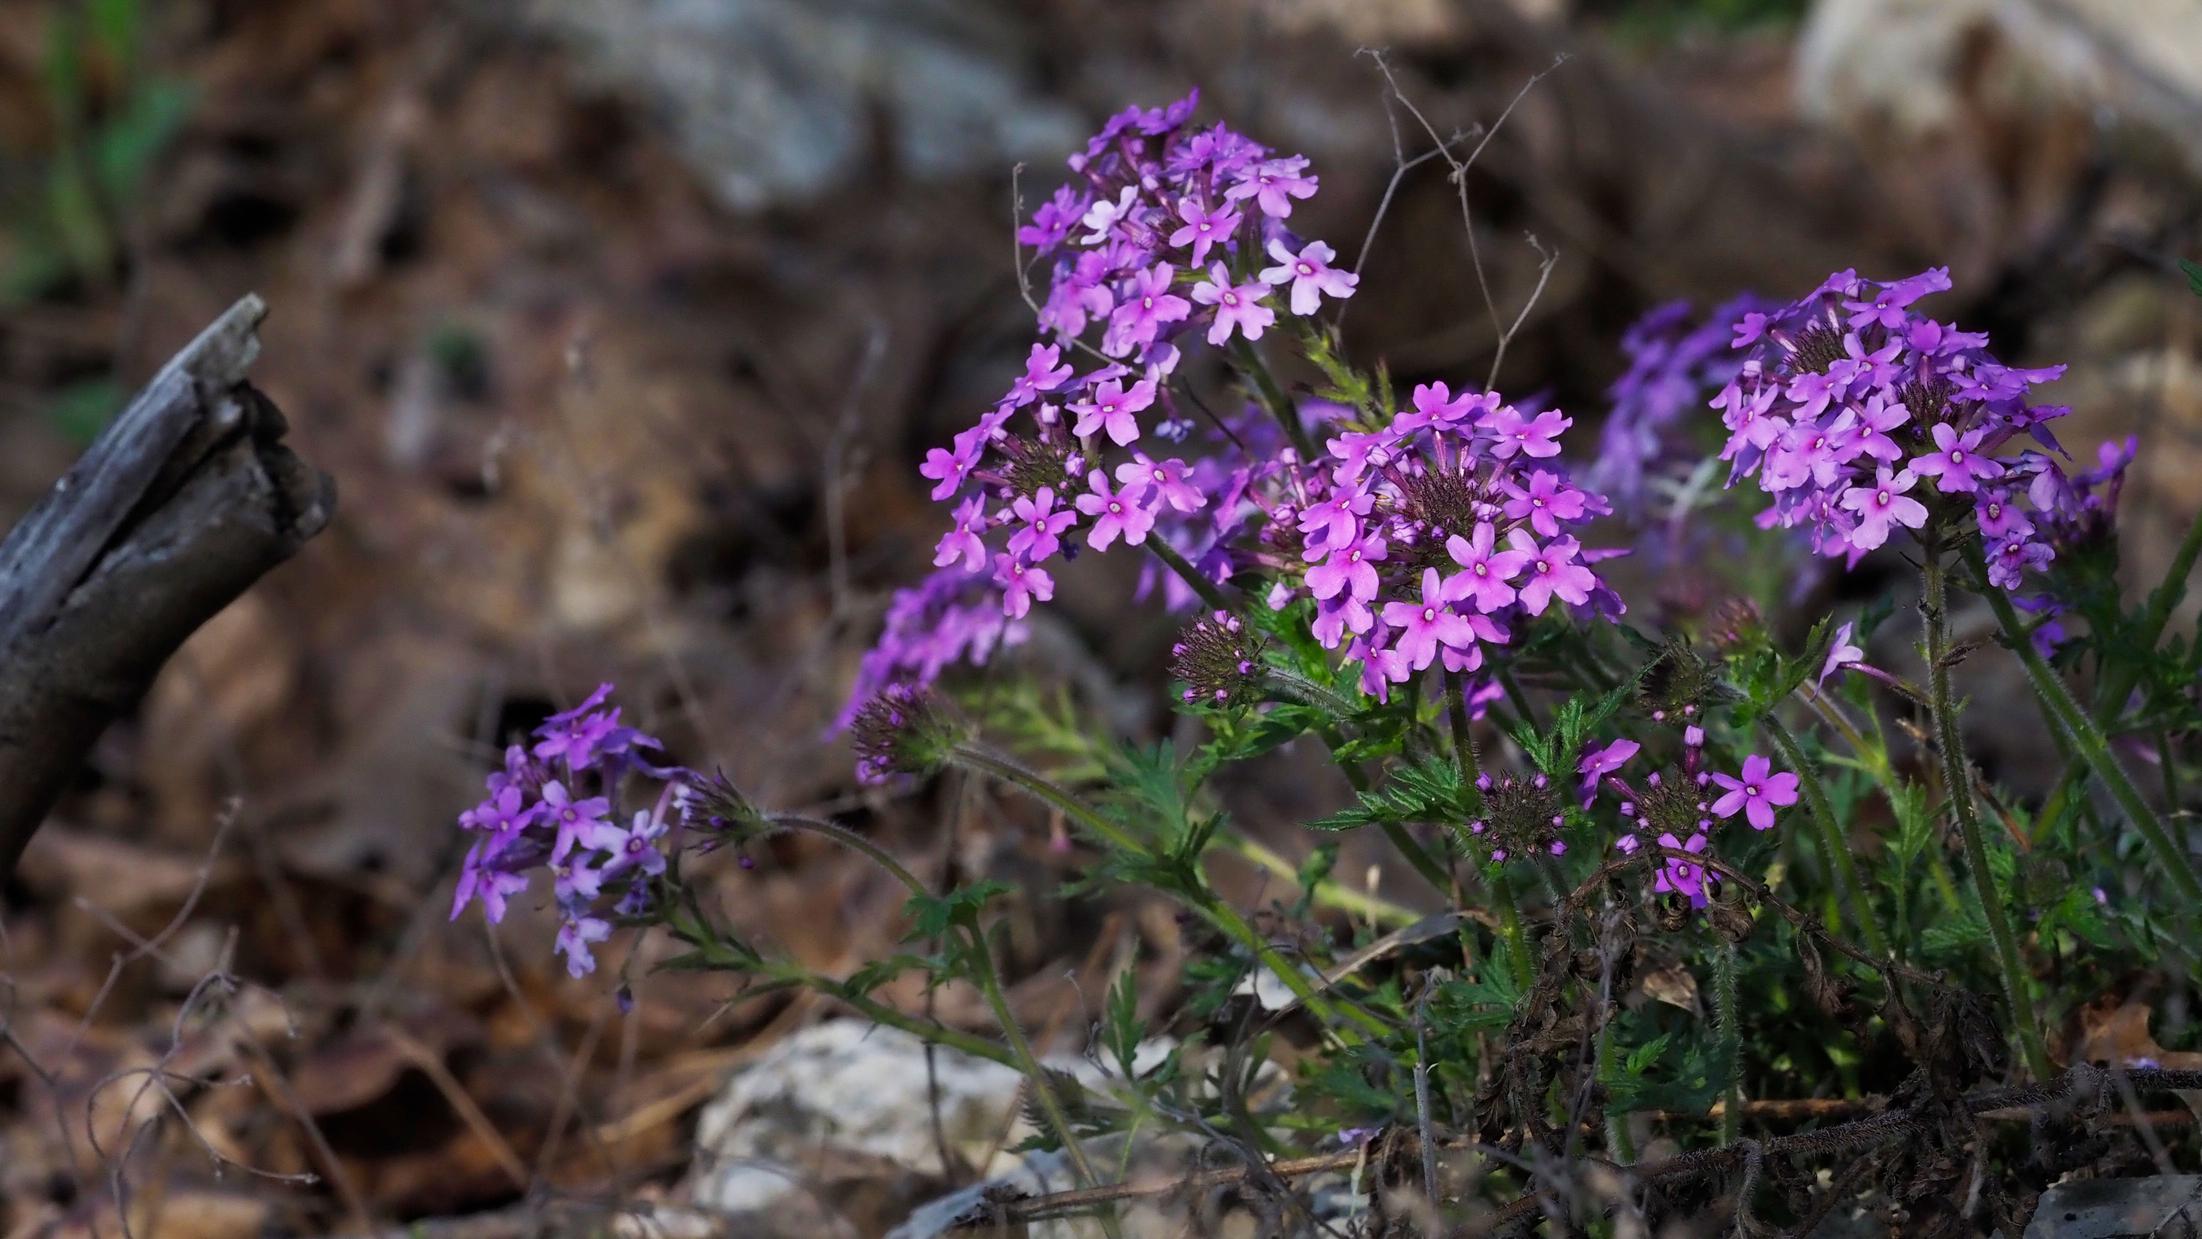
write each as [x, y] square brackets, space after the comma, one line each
[932, 916]
[2194, 275]
[1428, 791]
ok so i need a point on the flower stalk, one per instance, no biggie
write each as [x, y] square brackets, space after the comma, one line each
[1957, 784]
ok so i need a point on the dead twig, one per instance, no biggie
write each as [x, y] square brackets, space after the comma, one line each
[187, 498]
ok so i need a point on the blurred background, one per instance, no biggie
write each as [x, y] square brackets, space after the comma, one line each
[622, 325]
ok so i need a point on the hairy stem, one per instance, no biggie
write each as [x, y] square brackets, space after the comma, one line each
[1273, 397]
[2094, 749]
[1001, 769]
[1959, 787]
[1510, 926]
[1329, 892]
[1186, 572]
[1043, 1089]
[1730, 1038]
[1837, 846]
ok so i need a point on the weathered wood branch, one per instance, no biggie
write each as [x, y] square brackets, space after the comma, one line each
[186, 499]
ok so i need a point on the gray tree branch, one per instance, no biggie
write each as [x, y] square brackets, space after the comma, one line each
[186, 499]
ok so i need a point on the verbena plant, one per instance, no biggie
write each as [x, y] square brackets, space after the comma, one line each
[1423, 594]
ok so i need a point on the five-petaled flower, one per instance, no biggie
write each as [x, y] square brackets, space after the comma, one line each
[1757, 793]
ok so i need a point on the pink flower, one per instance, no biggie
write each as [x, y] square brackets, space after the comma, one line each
[1167, 479]
[1680, 877]
[1486, 572]
[1115, 512]
[1429, 623]
[1203, 227]
[1043, 525]
[1310, 274]
[1041, 375]
[1349, 564]
[962, 543]
[1881, 505]
[1021, 583]
[1757, 794]
[1238, 306]
[1840, 655]
[1959, 464]
[1112, 409]
[950, 466]
[1528, 436]
[1553, 572]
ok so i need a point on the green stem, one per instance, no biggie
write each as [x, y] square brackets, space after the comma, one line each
[1837, 847]
[1328, 893]
[1730, 1039]
[849, 839]
[1273, 397]
[995, 766]
[879, 1013]
[2094, 749]
[1235, 927]
[1202, 901]
[1959, 787]
[1618, 1144]
[1292, 684]
[1200, 585]
[2119, 683]
[1043, 1090]
[1510, 925]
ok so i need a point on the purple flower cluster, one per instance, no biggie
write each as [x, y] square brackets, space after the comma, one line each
[1675, 361]
[1168, 233]
[950, 616]
[1424, 540]
[551, 807]
[1679, 809]
[1855, 413]
[1162, 236]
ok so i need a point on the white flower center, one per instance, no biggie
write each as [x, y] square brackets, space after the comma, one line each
[1429, 615]
[1231, 299]
[1304, 269]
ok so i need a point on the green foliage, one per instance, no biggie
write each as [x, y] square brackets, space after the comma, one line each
[1430, 790]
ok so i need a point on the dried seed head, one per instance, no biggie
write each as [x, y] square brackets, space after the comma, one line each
[903, 730]
[1218, 658]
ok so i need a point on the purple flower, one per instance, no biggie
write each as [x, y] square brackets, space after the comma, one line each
[1680, 877]
[1203, 227]
[2009, 559]
[1486, 571]
[1273, 184]
[1166, 478]
[1112, 408]
[950, 466]
[1553, 572]
[1426, 624]
[1238, 306]
[1350, 566]
[482, 878]
[962, 543]
[577, 821]
[639, 850]
[575, 938]
[1600, 762]
[1310, 274]
[1529, 436]
[1881, 505]
[1040, 536]
[1102, 217]
[505, 812]
[1958, 466]
[1021, 584]
[1115, 513]
[1544, 502]
[1042, 374]
[1436, 405]
[1841, 654]
[1146, 307]
[1757, 794]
